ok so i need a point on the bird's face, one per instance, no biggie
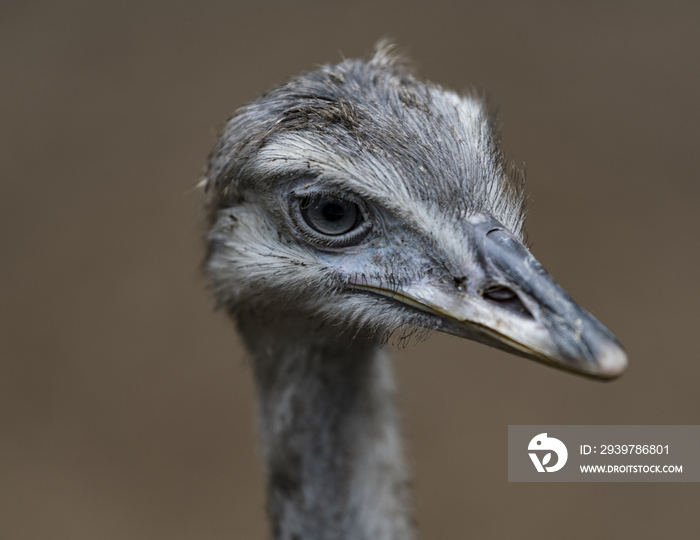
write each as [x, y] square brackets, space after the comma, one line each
[373, 218]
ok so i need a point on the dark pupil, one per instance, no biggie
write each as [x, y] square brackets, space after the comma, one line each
[330, 215]
[333, 212]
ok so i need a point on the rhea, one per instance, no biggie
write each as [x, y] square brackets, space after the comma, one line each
[350, 204]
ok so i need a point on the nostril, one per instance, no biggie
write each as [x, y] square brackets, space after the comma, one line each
[499, 294]
[507, 299]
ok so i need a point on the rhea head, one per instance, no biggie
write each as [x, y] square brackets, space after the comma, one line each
[359, 199]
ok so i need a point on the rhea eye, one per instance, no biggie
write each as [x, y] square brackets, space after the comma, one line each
[330, 215]
[330, 220]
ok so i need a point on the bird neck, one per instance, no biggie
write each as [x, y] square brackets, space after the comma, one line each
[330, 435]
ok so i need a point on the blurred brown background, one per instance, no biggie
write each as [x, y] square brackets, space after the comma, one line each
[126, 406]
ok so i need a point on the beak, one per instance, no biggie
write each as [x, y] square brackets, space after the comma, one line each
[507, 300]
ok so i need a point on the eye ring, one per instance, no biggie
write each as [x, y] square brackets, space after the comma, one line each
[330, 219]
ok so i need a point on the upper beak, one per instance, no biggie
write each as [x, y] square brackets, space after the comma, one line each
[509, 301]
